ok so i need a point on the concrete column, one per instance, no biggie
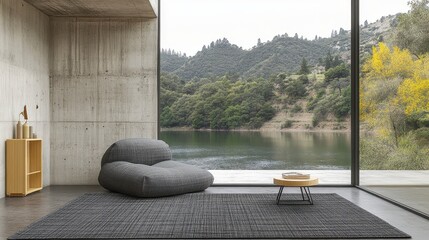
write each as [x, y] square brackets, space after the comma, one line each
[103, 88]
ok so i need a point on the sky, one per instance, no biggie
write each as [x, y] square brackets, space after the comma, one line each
[187, 25]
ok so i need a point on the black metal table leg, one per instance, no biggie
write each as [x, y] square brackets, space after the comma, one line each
[306, 193]
[302, 194]
[304, 187]
[310, 198]
[279, 194]
[306, 198]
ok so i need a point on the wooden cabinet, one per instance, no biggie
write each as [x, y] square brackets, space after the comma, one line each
[23, 166]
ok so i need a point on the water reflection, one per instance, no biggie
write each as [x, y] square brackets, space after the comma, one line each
[260, 150]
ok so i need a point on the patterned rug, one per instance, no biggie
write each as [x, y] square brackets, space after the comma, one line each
[205, 216]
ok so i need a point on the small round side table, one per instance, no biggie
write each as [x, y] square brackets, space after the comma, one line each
[303, 184]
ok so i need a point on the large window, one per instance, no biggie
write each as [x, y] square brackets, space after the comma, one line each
[250, 89]
[256, 88]
[394, 100]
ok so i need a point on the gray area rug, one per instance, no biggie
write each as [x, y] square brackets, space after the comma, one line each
[202, 216]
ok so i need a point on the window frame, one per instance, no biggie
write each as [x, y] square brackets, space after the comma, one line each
[354, 98]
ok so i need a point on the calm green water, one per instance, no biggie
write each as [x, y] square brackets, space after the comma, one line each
[260, 150]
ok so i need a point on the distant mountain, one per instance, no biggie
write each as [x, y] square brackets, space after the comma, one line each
[282, 54]
[218, 59]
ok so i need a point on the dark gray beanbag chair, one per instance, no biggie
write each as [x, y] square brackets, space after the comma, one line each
[143, 168]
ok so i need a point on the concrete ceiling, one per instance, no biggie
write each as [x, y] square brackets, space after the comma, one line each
[97, 8]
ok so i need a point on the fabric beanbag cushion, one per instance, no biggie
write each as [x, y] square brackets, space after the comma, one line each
[144, 168]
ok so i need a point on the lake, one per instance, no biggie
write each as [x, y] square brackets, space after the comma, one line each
[247, 150]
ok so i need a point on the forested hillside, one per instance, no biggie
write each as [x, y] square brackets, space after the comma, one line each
[232, 102]
[286, 83]
[171, 61]
[283, 54]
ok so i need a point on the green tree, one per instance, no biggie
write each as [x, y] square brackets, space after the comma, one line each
[338, 77]
[218, 103]
[167, 118]
[199, 117]
[295, 89]
[413, 30]
[342, 107]
[304, 67]
[341, 71]
[337, 61]
[182, 110]
[233, 117]
[328, 61]
[303, 79]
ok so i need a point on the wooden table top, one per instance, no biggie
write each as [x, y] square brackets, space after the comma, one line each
[296, 182]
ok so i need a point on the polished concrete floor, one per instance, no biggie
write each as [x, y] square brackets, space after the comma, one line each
[17, 213]
[334, 177]
[416, 197]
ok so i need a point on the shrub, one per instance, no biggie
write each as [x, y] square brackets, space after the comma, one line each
[319, 115]
[303, 79]
[315, 121]
[296, 108]
[312, 102]
[422, 136]
[287, 124]
[377, 154]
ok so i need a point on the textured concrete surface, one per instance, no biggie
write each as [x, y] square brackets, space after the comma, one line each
[154, 4]
[24, 76]
[96, 8]
[103, 88]
[87, 82]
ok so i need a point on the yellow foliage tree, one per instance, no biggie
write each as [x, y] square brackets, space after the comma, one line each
[386, 63]
[393, 85]
[382, 74]
[422, 67]
[414, 95]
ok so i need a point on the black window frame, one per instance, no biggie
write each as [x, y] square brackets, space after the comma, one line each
[354, 181]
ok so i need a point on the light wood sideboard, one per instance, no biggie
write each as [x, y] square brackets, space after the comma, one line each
[24, 171]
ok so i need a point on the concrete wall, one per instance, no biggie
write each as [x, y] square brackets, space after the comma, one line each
[103, 88]
[24, 76]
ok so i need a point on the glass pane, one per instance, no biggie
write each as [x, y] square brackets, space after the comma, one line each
[394, 94]
[254, 88]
